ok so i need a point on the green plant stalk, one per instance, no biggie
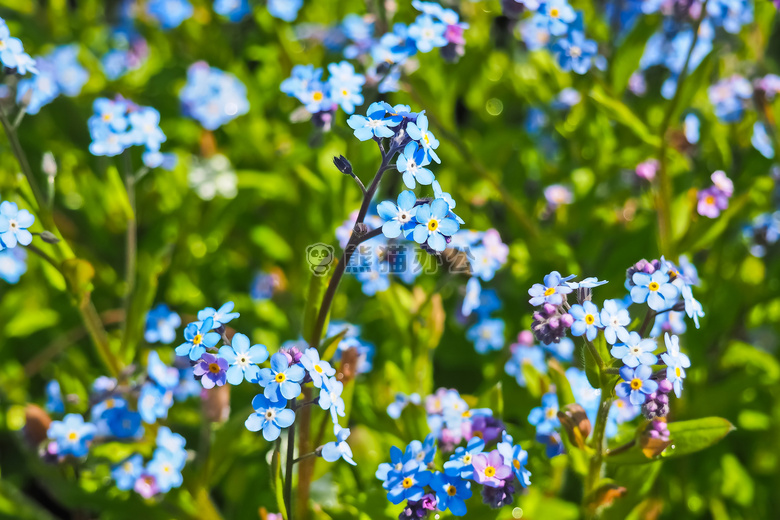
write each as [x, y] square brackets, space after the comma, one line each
[131, 248]
[664, 192]
[289, 461]
[596, 461]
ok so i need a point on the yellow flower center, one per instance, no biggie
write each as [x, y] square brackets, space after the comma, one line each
[589, 319]
[554, 12]
[318, 369]
[467, 458]
[466, 414]
[317, 96]
[107, 117]
[636, 383]
[214, 368]
[426, 138]
[452, 490]
[433, 224]
[677, 371]
[407, 483]
[549, 291]
[73, 436]
[653, 286]
[516, 464]
[710, 200]
[110, 403]
[490, 471]
[478, 434]
[127, 466]
[197, 339]
[280, 377]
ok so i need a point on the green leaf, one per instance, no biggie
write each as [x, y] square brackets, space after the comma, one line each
[626, 58]
[616, 110]
[686, 437]
[592, 370]
[277, 483]
[561, 382]
[317, 286]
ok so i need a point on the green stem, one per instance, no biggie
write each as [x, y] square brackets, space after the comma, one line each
[131, 247]
[664, 192]
[595, 353]
[594, 471]
[289, 461]
[648, 318]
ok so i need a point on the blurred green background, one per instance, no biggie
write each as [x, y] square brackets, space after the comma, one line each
[195, 253]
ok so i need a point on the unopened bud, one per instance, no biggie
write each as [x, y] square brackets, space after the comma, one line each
[343, 165]
[49, 237]
[576, 423]
[49, 165]
[36, 424]
[679, 306]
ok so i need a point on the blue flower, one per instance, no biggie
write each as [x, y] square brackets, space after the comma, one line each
[169, 13]
[636, 384]
[446, 197]
[398, 218]
[487, 334]
[761, 140]
[693, 308]
[418, 131]
[165, 376]
[127, 472]
[154, 402]
[318, 370]
[460, 463]
[552, 290]
[330, 397]
[545, 417]
[401, 401]
[427, 33]
[552, 441]
[12, 53]
[270, 417]
[234, 10]
[373, 124]
[575, 52]
[559, 14]
[286, 10]
[157, 159]
[339, 449]
[198, 339]
[671, 321]
[563, 350]
[691, 128]
[451, 493]
[213, 97]
[145, 128]
[587, 283]
[173, 443]
[654, 289]
[635, 351]
[390, 472]
[411, 162]
[676, 363]
[345, 86]
[373, 281]
[13, 225]
[472, 299]
[110, 113]
[161, 325]
[122, 423]
[166, 470]
[243, 359]
[12, 264]
[282, 378]
[516, 458]
[219, 317]
[54, 403]
[423, 453]
[586, 320]
[614, 319]
[72, 435]
[410, 484]
[521, 355]
[433, 225]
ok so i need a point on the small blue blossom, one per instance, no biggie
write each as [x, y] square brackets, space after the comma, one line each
[161, 325]
[373, 281]
[156, 159]
[693, 308]
[411, 163]
[487, 334]
[398, 218]
[472, 299]
[451, 493]
[614, 319]
[13, 225]
[434, 225]
[243, 359]
[761, 140]
[575, 52]
[12, 53]
[635, 351]
[345, 86]
[166, 470]
[127, 472]
[169, 13]
[676, 363]
[559, 14]
[460, 463]
[418, 131]
[587, 283]
[410, 485]
[145, 128]
[373, 124]
[401, 401]
[545, 417]
[234, 10]
[390, 472]
[198, 339]
[427, 33]
[72, 435]
[586, 320]
[54, 402]
[339, 449]
[551, 292]
[270, 417]
[654, 289]
[219, 317]
[671, 321]
[516, 458]
[282, 378]
[422, 452]
[330, 398]
[552, 441]
[165, 376]
[636, 384]
[154, 403]
[318, 370]
[286, 10]
[13, 264]
[173, 443]
[213, 97]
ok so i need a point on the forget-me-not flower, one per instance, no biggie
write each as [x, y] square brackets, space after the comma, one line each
[552, 291]
[281, 377]
[614, 319]
[635, 351]
[636, 384]
[270, 417]
[198, 339]
[219, 317]
[654, 289]
[13, 225]
[418, 131]
[434, 224]
[586, 320]
[338, 449]
[398, 218]
[411, 163]
[72, 435]
[243, 359]
[318, 370]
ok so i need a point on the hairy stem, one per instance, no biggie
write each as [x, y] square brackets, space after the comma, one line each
[648, 318]
[289, 461]
[594, 470]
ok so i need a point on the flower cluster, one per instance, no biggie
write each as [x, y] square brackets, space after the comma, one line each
[435, 27]
[409, 476]
[715, 199]
[556, 26]
[117, 412]
[59, 72]
[451, 421]
[119, 124]
[12, 54]
[212, 97]
[730, 97]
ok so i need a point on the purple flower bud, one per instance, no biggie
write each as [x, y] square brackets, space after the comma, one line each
[662, 399]
[526, 337]
[663, 410]
[654, 434]
[664, 386]
[554, 323]
[567, 320]
[549, 309]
